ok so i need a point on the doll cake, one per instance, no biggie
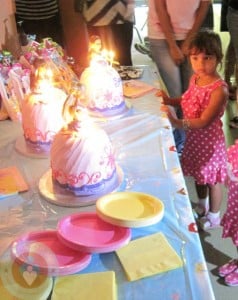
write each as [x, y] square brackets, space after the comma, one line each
[42, 119]
[82, 159]
[103, 89]
[42, 114]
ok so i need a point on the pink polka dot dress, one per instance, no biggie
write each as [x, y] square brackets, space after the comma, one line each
[204, 156]
[230, 218]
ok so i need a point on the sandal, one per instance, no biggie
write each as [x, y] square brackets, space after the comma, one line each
[228, 268]
[206, 223]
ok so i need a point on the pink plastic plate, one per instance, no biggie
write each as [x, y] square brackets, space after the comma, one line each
[87, 232]
[48, 255]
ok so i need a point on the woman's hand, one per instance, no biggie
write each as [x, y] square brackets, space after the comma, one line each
[185, 46]
[177, 54]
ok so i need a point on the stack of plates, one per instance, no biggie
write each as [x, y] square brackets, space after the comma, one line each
[43, 251]
[88, 233]
[69, 248]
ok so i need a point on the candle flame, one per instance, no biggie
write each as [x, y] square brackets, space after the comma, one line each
[106, 55]
[44, 73]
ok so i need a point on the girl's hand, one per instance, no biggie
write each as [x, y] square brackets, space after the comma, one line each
[164, 96]
[164, 108]
[172, 117]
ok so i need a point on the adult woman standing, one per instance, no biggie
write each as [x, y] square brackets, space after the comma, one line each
[171, 24]
[232, 24]
[112, 21]
[40, 18]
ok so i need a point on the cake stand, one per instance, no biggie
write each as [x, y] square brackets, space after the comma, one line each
[22, 148]
[65, 198]
[102, 118]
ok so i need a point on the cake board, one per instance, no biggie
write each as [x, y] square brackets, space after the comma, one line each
[101, 118]
[65, 198]
[21, 147]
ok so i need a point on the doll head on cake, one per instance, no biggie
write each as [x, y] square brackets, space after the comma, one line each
[95, 47]
[82, 159]
[48, 74]
[74, 107]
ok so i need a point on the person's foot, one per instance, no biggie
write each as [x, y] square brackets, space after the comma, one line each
[228, 268]
[207, 222]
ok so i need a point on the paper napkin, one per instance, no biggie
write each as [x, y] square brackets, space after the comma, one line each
[11, 182]
[101, 285]
[148, 256]
[136, 88]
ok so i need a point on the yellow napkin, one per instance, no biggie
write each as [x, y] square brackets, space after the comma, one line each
[11, 181]
[101, 285]
[148, 256]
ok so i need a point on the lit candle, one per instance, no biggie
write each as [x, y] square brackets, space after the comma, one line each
[111, 57]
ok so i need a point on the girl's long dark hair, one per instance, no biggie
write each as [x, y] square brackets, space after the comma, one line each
[206, 41]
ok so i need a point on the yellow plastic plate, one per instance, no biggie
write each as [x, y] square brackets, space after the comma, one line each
[130, 209]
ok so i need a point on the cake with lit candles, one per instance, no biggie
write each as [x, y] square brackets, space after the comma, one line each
[42, 112]
[103, 89]
[82, 159]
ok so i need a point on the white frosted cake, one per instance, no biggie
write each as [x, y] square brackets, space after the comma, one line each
[103, 89]
[82, 160]
[42, 119]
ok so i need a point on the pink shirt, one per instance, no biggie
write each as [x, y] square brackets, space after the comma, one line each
[182, 15]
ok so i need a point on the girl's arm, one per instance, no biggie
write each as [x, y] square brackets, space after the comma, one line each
[218, 98]
[166, 100]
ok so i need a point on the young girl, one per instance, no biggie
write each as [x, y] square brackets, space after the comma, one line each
[203, 104]
[230, 219]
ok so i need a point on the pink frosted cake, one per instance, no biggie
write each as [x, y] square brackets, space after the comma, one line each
[42, 119]
[82, 160]
[103, 89]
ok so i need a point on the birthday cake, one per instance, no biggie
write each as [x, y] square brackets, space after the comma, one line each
[103, 89]
[42, 119]
[82, 160]
[42, 109]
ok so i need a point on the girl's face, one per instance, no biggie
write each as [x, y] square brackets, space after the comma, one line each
[203, 64]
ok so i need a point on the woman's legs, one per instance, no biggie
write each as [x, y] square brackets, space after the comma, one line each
[173, 77]
[230, 70]
[168, 70]
[232, 24]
